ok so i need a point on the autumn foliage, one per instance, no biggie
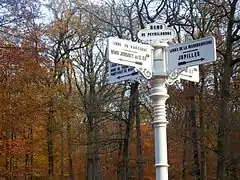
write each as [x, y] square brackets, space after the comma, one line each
[60, 118]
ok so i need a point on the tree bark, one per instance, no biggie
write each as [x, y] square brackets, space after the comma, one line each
[89, 155]
[120, 145]
[31, 156]
[93, 159]
[193, 119]
[26, 167]
[203, 162]
[223, 127]
[138, 138]
[62, 152]
[50, 145]
[69, 145]
[223, 159]
[128, 131]
[184, 161]
[120, 151]
[126, 144]
[96, 163]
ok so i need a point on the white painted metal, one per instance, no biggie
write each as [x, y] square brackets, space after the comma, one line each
[191, 53]
[159, 59]
[132, 54]
[156, 32]
[159, 96]
[190, 74]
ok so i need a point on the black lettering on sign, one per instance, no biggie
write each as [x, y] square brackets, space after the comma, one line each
[120, 72]
[114, 69]
[130, 69]
[116, 43]
[189, 55]
[199, 44]
[115, 52]
[125, 54]
[173, 50]
[190, 71]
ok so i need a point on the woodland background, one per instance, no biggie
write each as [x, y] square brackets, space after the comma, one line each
[61, 119]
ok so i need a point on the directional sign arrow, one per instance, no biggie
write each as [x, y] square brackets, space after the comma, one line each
[129, 53]
[191, 53]
[186, 62]
[136, 62]
[126, 75]
[119, 73]
[186, 75]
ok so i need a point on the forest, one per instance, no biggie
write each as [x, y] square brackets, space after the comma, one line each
[60, 118]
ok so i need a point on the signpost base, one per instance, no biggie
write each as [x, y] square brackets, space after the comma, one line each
[159, 96]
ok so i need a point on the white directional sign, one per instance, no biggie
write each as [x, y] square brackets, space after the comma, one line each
[132, 54]
[190, 74]
[156, 32]
[118, 73]
[191, 53]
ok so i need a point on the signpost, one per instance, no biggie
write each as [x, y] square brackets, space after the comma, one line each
[119, 73]
[190, 74]
[156, 32]
[166, 64]
[132, 54]
[191, 53]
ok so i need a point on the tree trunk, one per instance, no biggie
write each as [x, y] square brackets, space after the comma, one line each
[93, 159]
[26, 167]
[223, 127]
[62, 152]
[120, 150]
[184, 161]
[203, 163]
[11, 158]
[69, 144]
[89, 154]
[120, 145]
[50, 146]
[193, 119]
[96, 164]
[138, 138]
[31, 155]
[128, 131]
[126, 143]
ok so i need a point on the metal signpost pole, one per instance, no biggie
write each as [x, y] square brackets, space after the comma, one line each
[157, 34]
[159, 96]
[165, 70]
